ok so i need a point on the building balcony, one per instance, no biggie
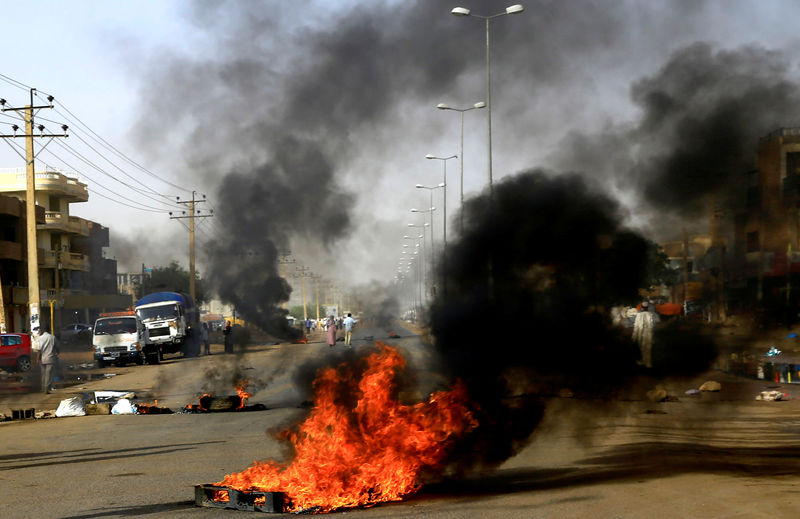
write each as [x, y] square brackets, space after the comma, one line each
[70, 189]
[11, 250]
[68, 260]
[63, 222]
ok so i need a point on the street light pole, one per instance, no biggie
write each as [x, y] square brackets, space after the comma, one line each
[442, 106]
[463, 11]
[444, 205]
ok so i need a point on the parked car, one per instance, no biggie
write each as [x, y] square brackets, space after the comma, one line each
[76, 331]
[15, 351]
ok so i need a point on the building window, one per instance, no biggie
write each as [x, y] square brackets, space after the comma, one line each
[752, 241]
[792, 163]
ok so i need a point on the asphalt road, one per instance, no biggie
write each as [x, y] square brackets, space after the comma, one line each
[715, 456]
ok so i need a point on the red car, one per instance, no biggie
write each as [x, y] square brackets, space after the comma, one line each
[15, 351]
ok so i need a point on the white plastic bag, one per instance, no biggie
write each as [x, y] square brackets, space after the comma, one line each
[123, 407]
[71, 407]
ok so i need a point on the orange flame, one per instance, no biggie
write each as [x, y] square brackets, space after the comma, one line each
[366, 453]
[241, 390]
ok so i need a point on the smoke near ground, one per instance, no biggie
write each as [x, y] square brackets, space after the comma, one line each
[523, 314]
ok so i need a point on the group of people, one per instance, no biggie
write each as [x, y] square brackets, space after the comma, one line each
[347, 323]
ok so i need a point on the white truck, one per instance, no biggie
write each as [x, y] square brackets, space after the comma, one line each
[119, 338]
[170, 318]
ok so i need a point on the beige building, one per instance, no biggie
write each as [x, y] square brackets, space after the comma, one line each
[74, 276]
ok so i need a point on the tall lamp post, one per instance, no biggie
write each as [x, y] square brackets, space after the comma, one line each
[463, 11]
[442, 106]
[423, 226]
[431, 190]
[444, 205]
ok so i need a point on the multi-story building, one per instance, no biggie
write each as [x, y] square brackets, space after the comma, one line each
[74, 275]
[767, 227]
[14, 260]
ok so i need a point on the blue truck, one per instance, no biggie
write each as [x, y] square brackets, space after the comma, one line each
[172, 323]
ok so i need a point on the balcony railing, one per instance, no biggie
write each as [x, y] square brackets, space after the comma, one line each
[57, 220]
[69, 260]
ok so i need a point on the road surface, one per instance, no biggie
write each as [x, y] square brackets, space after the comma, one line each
[718, 455]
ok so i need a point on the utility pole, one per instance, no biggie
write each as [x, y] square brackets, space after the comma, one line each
[284, 254]
[302, 273]
[30, 195]
[191, 216]
[316, 290]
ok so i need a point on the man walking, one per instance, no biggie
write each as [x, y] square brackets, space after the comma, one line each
[48, 355]
[643, 333]
[226, 332]
[204, 336]
[348, 323]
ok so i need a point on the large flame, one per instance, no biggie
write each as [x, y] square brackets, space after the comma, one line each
[368, 451]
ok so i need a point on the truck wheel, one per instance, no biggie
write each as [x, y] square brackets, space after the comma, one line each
[139, 360]
[100, 363]
[24, 364]
[154, 358]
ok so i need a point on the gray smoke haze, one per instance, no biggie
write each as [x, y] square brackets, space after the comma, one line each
[702, 115]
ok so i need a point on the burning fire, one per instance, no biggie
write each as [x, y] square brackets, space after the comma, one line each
[241, 390]
[370, 451]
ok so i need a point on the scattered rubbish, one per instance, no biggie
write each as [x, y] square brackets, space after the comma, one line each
[23, 414]
[772, 396]
[123, 406]
[654, 411]
[657, 394]
[772, 352]
[792, 336]
[692, 392]
[98, 409]
[71, 407]
[252, 500]
[711, 385]
[152, 409]
[112, 396]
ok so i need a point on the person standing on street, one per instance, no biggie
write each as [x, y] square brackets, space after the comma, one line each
[228, 339]
[348, 324]
[643, 333]
[204, 336]
[331, 331]
[48, 357]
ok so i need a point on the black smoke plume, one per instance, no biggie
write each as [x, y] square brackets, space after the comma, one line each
[522, 313]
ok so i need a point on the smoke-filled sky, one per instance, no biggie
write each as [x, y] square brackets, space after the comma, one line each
[310, 120]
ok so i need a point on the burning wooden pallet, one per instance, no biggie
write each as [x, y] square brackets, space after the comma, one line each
[214, 496]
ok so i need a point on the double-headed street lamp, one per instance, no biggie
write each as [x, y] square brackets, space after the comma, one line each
[444, 186]
[442, 106]
[463, 11]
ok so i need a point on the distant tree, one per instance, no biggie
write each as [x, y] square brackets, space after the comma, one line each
[297, 311]
[174, 278]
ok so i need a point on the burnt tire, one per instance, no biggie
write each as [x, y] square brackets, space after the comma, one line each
[23, 364]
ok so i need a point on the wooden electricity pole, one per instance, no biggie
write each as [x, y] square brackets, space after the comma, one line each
[284, 254]
[302, 273]
[193, 213]
[27, 114]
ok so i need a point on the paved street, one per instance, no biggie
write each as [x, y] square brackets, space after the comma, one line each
[711, 456]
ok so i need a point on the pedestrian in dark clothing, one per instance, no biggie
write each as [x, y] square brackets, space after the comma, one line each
[228, 339]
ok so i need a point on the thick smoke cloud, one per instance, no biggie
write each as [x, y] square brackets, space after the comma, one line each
[523, 312]
[702, 114]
